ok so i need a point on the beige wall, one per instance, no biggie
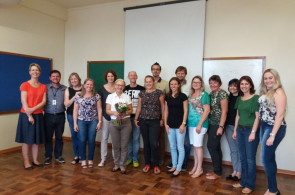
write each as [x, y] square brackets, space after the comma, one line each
[26, 31]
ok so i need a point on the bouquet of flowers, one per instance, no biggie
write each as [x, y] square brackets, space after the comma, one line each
[120, 108]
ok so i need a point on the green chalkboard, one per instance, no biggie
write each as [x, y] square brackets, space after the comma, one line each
[96, 69]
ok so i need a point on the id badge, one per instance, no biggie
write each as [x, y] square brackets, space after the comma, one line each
[53, 102]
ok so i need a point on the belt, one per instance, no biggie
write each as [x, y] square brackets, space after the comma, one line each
[60, 113]
[123, 120]
[242, 126]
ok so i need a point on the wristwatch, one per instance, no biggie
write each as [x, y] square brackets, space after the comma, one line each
[184, 123]
[253, 131]
[272, 134]
[222, 127]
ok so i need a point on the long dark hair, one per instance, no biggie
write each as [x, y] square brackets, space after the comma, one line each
[249, 80]
[169, 94]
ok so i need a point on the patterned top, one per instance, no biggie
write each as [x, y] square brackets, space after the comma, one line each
[267, 113]
[34, 95]
[196, 110]
[150, 104]
[215, 108]
[87, 107]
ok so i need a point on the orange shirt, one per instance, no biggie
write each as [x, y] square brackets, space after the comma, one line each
[34, 95]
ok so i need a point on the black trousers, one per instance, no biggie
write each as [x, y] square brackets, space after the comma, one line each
[214, 148]
[150, 135]
[54, 124]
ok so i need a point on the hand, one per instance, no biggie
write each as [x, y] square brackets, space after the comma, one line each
[76, 128]
[270, 140]
[167, 129]
[181, 128]
[251, 137]
[136, 123]
[31, 119]
[29, 111]
[219, 131]
[77, 93]
[161, 123]
[98, 126]
[234, 135]
[198, 129]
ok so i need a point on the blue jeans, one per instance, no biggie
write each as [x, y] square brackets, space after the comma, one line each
[176, 140]
[234, 149]
[134, 142]
[268, 156]
[247, 156]
[75, 139]
[87, 131]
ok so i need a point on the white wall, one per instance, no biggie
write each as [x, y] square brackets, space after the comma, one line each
[233, 28]
[26, 31]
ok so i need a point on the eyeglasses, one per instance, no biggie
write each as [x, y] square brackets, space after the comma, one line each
[197, 83]
[156, 69]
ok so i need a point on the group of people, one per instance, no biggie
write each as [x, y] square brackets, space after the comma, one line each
[182, 110]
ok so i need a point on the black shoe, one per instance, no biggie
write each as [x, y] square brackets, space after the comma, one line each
[47, 161]
[230, 177]
[170, 172]
[60, 160]
[173, 175]
[183, 167]
[115, 169]
[37, 165]
[278, 192]
[123, 172]
[169, 166]
[29, 168]
[235, 178]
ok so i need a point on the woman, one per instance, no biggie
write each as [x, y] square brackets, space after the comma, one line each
[230, 124]
[199, 109]
[175, 120]
[87, 120]
[109, 76]
[120, 126]
[71, 92]
[218, 112]
[149, 109]
[272, 109]
[30, 128]
[245, 131]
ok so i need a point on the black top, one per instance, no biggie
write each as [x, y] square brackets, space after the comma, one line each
[133, 93]
[232, 112]
[104, 94]
[175, 110]
[72, 93]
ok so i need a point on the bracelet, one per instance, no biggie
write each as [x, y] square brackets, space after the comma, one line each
[222, 127]
[272, 134]
[253, 131]
[183, 122]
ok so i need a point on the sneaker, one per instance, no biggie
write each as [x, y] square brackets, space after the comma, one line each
[128, 162]
[169, 166]
[135, 164]
[183, 167]
[101, 164]
[47, 161]
[60, 160]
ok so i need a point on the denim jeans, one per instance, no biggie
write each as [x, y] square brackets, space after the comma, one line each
[75, 139]
[54, 125]
[134, 142]
[87, 132]
[234, 149]
[268, 156]
[150, 135]
[247, 156]
[176, 140]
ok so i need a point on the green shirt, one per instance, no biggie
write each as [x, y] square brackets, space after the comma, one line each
[215, 106]
[247, 109]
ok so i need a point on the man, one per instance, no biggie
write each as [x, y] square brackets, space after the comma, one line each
[54, 118]
[181, 73]
[133, 90]
[164, 87]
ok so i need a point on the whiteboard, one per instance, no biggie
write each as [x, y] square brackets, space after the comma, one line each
[235, 67]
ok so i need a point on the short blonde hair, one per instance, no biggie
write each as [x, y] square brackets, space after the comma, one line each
[36, 65]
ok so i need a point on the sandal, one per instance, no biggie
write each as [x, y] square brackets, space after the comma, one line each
[157, 171]
[213, 176]
[84, 166]
[246, 191]
[146, 168]
[75, 161]
[198, 173]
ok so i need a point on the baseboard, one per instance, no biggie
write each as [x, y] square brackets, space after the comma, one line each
[228, 163]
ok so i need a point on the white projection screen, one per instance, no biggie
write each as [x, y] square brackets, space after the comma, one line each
[170, 34]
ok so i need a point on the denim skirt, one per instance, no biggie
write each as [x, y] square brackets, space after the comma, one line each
[28, 133]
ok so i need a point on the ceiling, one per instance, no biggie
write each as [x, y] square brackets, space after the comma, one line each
[80, 3]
